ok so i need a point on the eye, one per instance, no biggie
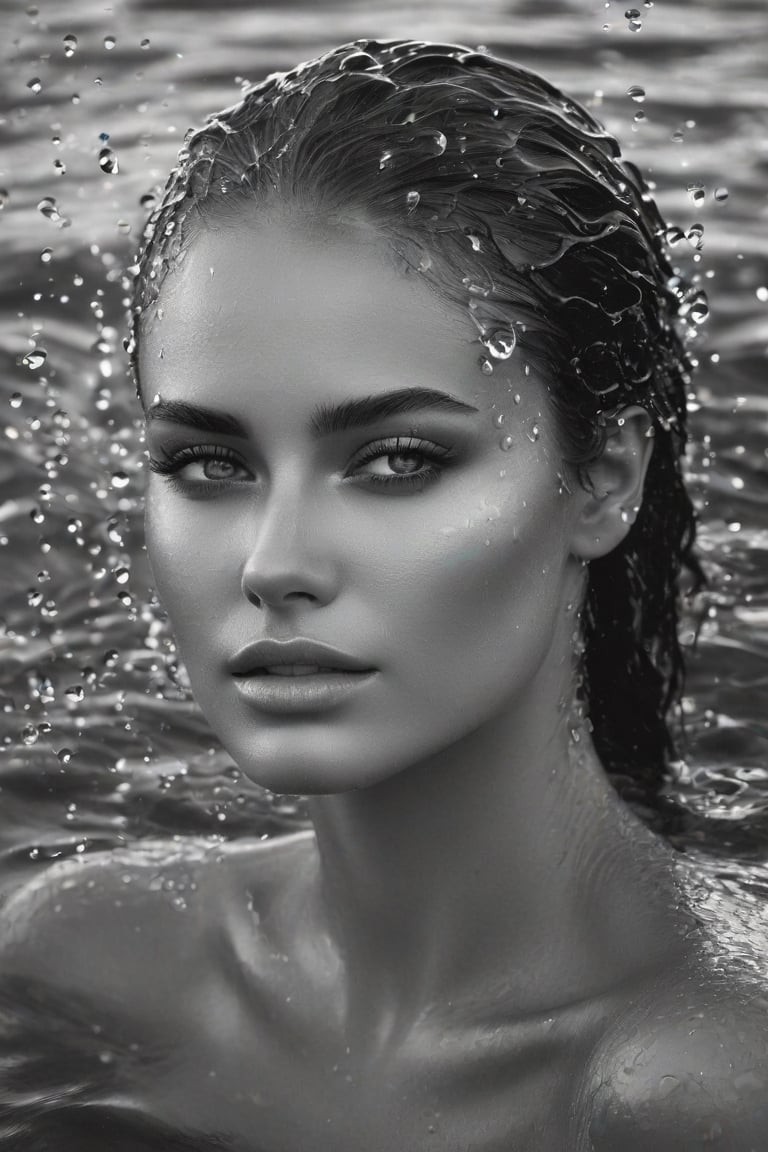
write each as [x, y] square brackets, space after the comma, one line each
[402, 455]
[217, 467]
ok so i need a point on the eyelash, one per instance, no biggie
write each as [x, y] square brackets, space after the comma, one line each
[170, 466]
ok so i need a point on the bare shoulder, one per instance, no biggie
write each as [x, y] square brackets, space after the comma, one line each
[129, 925]
[685, 1070]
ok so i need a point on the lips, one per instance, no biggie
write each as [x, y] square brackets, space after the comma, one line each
[297, 657]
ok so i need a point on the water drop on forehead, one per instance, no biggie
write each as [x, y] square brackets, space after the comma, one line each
[501, 345]
[506, 443]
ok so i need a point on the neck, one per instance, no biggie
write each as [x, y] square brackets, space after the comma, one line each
[506, 863]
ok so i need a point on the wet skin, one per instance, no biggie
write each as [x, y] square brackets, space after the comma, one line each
[455, 944]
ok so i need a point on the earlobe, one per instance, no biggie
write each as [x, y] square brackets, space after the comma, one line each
[607, 511]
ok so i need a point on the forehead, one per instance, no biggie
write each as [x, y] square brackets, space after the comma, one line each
[276, 301]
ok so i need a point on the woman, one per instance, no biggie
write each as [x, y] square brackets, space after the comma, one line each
[412, 359]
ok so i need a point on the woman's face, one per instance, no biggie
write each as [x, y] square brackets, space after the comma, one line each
[433, 545]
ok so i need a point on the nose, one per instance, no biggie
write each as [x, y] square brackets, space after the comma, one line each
[286, 562]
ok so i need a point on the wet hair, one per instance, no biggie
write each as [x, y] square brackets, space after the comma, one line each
[513, 204]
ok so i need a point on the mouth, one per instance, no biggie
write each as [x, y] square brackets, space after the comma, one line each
[300, 688]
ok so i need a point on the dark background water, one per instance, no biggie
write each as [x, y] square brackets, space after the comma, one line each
[101, 742]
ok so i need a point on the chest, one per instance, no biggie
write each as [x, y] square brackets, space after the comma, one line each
[287, 1089]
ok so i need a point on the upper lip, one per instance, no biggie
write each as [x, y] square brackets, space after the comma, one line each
[265, 653]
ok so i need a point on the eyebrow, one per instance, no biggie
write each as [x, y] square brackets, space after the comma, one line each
[325, 420]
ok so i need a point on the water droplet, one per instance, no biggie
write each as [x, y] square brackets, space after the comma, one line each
[501, 345]
[635, 25]
[60, 167]
[47, 207]
[109, 43]
[108, 161]
[412, 200]
[721, 194]
[639, 117]
[148, 202]
[4, 197]
[695, 235]
[762, 294]
[70, 44]
[35, 359]
[35, 84]
[46, 255]
[144, 43]
[636, 93]
[119, 480]
[65, 755]
[75, 692]
[16, 400]
[122, 575]
[474, 240]
[506, 443]
[30, 735]
[124, 226]
[533, 432]
[699, 310]
[499, 420]
[697, 192]
[485, 365]
[111, 658]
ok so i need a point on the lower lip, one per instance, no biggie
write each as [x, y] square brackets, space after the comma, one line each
[310, 693]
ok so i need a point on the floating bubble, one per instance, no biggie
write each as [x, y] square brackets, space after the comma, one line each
[695, 235]
[109, 43]
[35, 359]
[108, 161]
[636, 93]
[721, 194]
[47, 207]
[35, 84]
[70, 44]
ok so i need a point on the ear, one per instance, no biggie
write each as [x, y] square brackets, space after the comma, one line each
[607, 512]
